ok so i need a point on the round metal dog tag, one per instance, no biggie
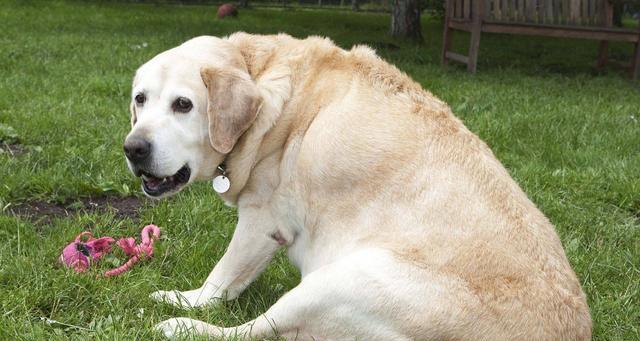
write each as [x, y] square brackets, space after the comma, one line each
[221, 184]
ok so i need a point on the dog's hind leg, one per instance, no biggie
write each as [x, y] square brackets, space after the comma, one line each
[363, 296]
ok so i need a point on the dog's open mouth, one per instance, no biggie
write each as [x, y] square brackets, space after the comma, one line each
[154, 186]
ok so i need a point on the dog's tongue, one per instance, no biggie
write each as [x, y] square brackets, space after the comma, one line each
[154, 183]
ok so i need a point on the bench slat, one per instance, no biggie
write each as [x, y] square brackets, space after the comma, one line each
[457, 57]
[563, 31]
[548, 9]
[487, 9]
[552, 12]
[555, 12]
[575, 12]
[530, 10]
[467, 9]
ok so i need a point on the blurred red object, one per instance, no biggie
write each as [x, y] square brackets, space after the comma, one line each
[226, 10]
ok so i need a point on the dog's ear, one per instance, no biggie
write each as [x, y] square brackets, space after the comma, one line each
[233, 104]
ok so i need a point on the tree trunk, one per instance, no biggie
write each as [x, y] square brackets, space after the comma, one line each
[354, 5]
[405, 19]
[244, 3]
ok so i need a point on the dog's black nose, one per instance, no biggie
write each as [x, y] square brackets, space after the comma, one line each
[136, 149]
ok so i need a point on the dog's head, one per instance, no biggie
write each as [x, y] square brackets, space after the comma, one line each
[189, 106]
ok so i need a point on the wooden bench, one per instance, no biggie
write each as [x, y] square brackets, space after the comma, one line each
[587, 19]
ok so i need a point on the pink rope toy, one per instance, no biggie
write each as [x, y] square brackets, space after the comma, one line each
[79, 254]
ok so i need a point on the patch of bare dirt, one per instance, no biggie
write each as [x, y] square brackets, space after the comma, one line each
[44, 212]
[12, 149]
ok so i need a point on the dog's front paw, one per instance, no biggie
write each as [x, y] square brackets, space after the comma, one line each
[183, 299]
[173, 327]
[182, 326]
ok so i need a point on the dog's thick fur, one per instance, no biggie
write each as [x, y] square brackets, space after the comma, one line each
[402, 222]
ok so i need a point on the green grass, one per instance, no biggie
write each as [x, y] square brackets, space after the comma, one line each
[570, 135]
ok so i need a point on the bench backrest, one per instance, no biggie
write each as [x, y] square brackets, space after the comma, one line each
[558, 12]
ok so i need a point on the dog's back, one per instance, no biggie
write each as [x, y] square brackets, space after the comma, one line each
[386, 163]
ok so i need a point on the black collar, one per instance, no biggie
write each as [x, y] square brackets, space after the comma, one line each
[223, 169]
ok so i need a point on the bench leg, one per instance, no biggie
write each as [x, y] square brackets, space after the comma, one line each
[447, 36]
[476, 30]
[635, 70]
[603, 54]
[474, 46]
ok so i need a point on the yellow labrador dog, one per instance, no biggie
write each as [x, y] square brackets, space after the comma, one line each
[402, 222]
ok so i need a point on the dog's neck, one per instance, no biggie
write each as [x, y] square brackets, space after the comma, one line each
[274, 84]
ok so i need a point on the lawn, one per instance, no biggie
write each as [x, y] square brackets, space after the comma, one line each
[570, 135]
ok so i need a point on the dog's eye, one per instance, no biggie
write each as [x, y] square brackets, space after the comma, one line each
[182, 105]
[140, 98]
